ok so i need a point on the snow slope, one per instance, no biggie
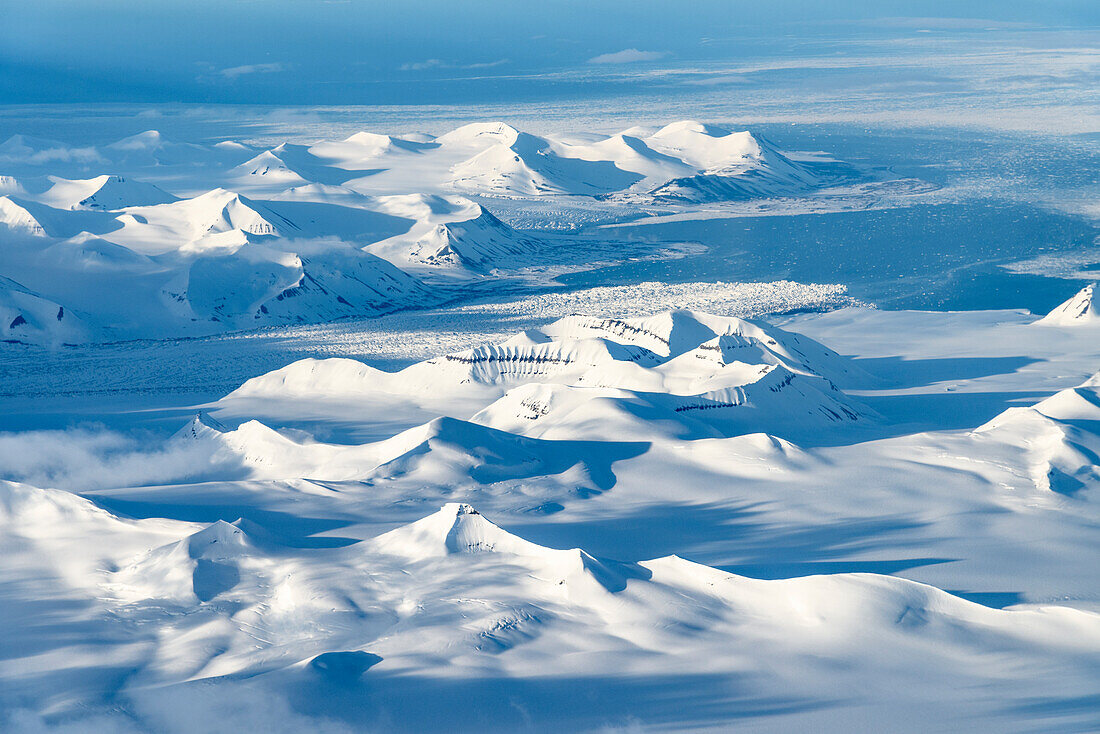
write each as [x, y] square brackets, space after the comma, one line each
[1081, 310]
[209, 217]
[1060, 436]
[451, 233]
[455, 591]
[26, 316]
[865, 577]
[689, 373]
[897, 533]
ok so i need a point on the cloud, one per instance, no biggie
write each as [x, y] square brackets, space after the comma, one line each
[440, 64]
[90, 457]
[293, 116]
[62, 154]
[228, 707]
[486, 64]
[237, 71]
[949, 24]
[217, 707]
[29, 722]
[627, 56]
[420, 65]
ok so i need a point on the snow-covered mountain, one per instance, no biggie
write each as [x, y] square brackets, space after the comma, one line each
[444, 452]
[1060, 436]
[648, 515]
[521, 164]
[680, 372]
[683, 161]
[232, 232]
[106, 192]
[451, 233]
[229, 601]
[1080, 310]
[504, 539]
[26, 316]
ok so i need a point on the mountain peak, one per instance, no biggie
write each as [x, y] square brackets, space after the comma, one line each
[143, 140]
[201, 425]
[457, 528]
[220, 539]
[689, 126]
[1080, 310]
[481, 133]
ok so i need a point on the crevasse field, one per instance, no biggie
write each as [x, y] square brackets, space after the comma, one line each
[445, 369]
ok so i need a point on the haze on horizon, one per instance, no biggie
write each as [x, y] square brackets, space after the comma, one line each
[340, 52]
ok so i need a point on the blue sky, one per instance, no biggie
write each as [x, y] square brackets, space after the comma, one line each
[287, 52]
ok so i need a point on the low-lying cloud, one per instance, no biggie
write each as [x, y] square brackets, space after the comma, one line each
[441, 64]
[627, 56]
[237, 71]
[218, 708]
[91, 457]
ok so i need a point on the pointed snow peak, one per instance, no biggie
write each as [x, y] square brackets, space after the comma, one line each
[459, 509]
[1080, 310]
[268, 163]
[201, 425]
[457, 528]
[205, 420]
[267, 157]
[217, 540]
[14, 141]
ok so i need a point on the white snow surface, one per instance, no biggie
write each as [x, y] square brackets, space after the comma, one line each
[1080, 310]
[520, 526]
[648, 507]
[133, 237]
